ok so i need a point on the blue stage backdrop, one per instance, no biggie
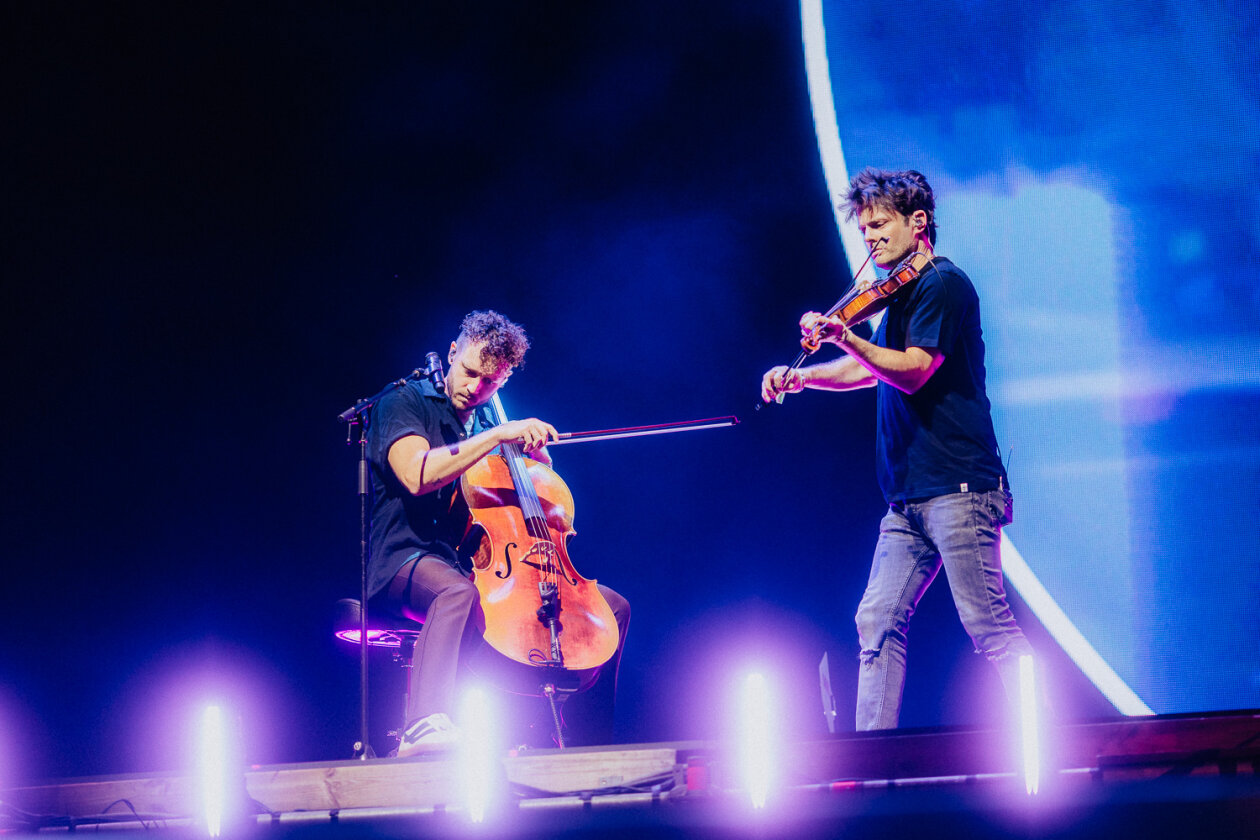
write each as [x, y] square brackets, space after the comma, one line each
[1097, 166]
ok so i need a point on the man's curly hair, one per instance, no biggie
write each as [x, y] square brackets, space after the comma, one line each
[504, 342]
[901, 192]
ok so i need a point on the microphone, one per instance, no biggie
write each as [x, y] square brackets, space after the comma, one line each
[433, 370]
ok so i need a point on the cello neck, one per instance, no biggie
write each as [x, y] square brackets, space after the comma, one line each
[527, 496]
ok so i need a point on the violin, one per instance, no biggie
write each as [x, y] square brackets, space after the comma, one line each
[865, 301]
[538, 610]
[861, 303]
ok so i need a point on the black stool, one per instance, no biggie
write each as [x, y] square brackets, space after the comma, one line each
[394, 633]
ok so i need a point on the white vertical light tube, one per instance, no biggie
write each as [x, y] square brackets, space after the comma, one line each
[478, 765]
[1029, 725]
[757, 753]
[212, 766]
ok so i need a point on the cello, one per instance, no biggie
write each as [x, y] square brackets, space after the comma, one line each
[538, 610]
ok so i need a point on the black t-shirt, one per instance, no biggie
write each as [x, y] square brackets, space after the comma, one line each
[939, 439]
[403, 525]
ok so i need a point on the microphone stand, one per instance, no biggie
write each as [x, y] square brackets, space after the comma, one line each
[356, 419]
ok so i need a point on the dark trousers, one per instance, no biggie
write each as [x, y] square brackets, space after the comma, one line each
[427, 589]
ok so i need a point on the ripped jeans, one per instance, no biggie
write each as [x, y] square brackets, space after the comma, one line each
[960, 531]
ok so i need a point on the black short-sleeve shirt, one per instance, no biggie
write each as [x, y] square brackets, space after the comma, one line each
[939, 439]
[404, 525]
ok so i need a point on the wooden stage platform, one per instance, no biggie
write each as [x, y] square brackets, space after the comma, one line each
[1138, 777]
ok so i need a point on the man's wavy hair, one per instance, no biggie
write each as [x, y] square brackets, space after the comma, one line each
[902, 192]
[504, 342]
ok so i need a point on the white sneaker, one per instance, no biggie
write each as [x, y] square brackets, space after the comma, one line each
[429, 734]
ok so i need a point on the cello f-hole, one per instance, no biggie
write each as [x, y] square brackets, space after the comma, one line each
[504, 574]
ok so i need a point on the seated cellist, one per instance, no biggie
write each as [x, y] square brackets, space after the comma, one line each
[420, 441]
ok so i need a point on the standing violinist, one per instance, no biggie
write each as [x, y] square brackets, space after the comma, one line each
[421, 440]
[938, 460]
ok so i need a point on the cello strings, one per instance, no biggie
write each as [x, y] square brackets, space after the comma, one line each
[527, 498]
[536, 520]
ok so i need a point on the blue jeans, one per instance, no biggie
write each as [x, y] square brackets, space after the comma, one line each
[962, 532]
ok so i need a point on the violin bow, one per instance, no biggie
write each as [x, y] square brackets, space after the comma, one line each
[642, 431]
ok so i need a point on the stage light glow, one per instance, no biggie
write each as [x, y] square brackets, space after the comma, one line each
[756, 736]
[1029, 723]
[160, 716]
[376, 638]
[478, 754]
[212, 759]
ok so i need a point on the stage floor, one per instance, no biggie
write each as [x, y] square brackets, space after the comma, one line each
[1147, 777]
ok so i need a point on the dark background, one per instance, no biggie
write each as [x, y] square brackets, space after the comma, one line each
[224, 225]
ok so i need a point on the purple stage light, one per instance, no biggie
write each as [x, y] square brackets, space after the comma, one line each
[212, 768]
[220, 770]
[757, 738]
[725, 642]
[1029, 725]
[376, 638]
[162, 703]
[479, 754]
